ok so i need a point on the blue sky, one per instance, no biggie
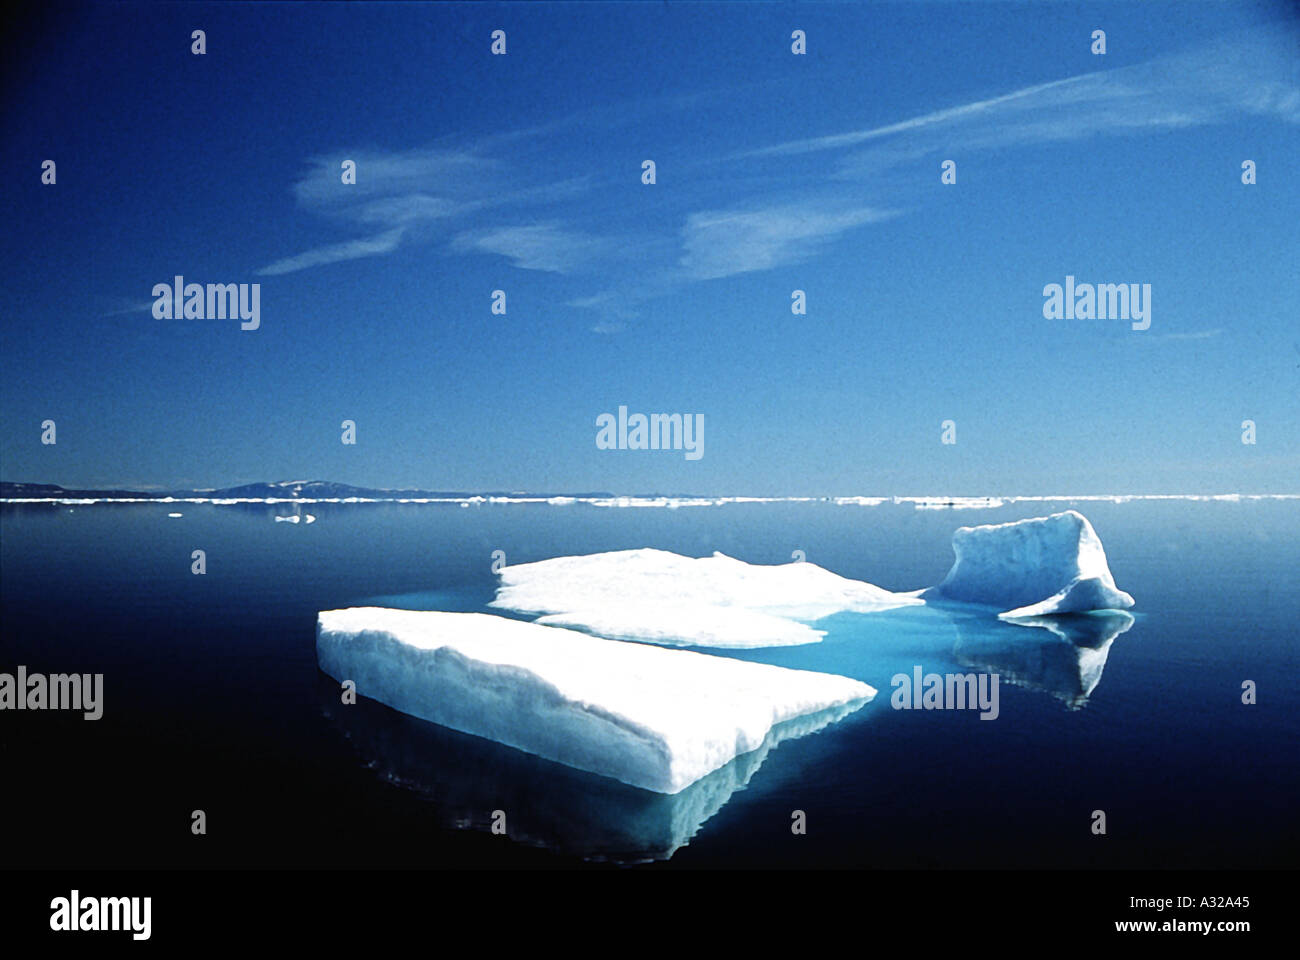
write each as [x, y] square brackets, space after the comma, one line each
[775, 172]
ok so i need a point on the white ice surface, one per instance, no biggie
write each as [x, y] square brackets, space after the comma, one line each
[687, 624]
[1035, 567]
[654, 718]
[662, 597]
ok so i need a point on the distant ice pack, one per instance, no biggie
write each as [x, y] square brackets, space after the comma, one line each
[1030, 568]
[650, 717]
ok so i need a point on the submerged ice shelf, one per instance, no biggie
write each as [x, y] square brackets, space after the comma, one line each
[649, 717]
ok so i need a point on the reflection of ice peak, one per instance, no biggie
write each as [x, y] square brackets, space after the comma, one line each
[1066, 661]
[1092, 630]
[547, 804]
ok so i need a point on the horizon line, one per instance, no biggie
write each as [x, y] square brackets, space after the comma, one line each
[678, 500]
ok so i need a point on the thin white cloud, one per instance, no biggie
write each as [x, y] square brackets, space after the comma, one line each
[938, 117]
[415, 196]
[406, 209]
[721, 243]
[433, 171]
[129, 306]
[449, 196]
[381, 243]
[1190, 335]
[544, 246]
[1249, 72]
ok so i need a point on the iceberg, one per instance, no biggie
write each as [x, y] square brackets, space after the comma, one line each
[662, 597]
[1036, 567]
[1033, 568]
[646, 716]
[687, 624]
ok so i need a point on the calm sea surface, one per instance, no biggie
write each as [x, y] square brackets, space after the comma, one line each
[213, 701]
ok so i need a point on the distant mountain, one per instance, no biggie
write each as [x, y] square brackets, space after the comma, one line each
[48, 491]
[309, 490]
[281, 490]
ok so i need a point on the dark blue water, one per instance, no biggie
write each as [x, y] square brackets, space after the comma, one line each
[213, 700]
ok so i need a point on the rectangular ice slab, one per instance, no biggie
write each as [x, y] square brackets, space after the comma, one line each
[651, 717]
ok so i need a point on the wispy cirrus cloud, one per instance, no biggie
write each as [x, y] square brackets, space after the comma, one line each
[542, 246]
[126, 306]
[381, 243]
[481, 199]
[1250, 72]
[439, 173]
[722, 243]
[421, 196]
[1188, 335]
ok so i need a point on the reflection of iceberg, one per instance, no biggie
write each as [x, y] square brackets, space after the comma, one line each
[295, 515]
[1064, 656]
[646, 716]
[546, 804]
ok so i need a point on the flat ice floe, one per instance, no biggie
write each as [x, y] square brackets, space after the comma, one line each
[663, 597]
[646, 716]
